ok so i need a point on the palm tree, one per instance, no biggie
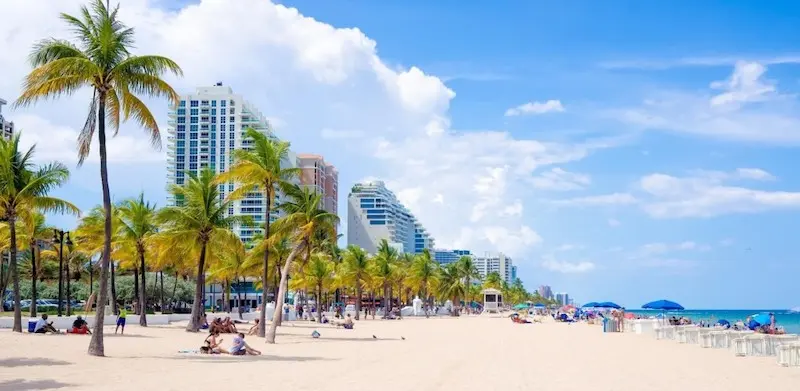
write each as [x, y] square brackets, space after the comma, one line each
[303, 218]
[319, 274]
[136, 226]
[259, 169]
[90, 240]
[35, 230]
[101, 61]
[198, 222]
[424, 275]
[383, 270]
[452, 285]
[467, 269]
[232, 265]
[24, 190]
[356, 271]
[493, 280]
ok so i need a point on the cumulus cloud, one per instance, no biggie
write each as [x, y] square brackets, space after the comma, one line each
[534, 108]
[599, 200]
[744, 85]
[560, 179]
[555, 265]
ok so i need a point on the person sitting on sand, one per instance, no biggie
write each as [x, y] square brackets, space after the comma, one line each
[347, 323]
[44, 327]
[216, 325]
[79, 326]
[241, 348]
[204, 321]
[213, 345]
[323, 319]
[228, 326]
[253, 330]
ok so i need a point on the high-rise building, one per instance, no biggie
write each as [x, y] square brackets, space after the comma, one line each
[322, 177]
[203, 131]
[562, 298]
[374, 213]
[498, 262]
[443, 257]
[6, 127]
[513, 273]
[545, 291]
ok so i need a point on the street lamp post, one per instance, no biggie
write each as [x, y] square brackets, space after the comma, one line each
[58, 237]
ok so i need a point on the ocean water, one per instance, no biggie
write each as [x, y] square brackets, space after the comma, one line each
[789, 320]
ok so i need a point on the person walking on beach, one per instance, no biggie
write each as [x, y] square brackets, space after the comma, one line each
[123, 313]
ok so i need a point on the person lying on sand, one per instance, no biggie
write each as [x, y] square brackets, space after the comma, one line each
[253, 330]
[347, 323]
[79, 326]
[241, 348]
[44, 327]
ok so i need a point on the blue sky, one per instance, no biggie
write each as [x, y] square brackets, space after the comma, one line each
[623, 151]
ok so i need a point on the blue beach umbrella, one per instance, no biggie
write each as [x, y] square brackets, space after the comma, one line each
[607, 304]
[762, 318]
[663, 305]
[589, 305]
[540, 305]
[724, 323]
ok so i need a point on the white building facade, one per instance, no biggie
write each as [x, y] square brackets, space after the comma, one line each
[203, 131]
[6, 127]
[374, 213]
[499, 263]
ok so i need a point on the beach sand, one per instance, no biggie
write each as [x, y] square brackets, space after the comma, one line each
[467, 353]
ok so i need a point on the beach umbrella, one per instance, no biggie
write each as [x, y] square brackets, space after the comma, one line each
[762, 318]
[589, 305]
[608, 304]
[540, 305]
[520, 306]
[663, 305]
[724, 323]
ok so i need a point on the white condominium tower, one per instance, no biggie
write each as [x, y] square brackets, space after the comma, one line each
[499, 263]
[6, 127]
[374, 213]
[203, 131]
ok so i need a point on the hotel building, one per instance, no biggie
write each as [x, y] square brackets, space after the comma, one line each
[444, 257]
[499, 263]
[6, 127]
[203, 130]
[374, 213]
[322, 177]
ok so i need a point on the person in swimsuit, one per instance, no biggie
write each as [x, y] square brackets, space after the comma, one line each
[214, 344]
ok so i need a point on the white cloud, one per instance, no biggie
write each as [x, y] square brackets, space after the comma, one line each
[730, 115]
[614, 223]
[560, 179]
[744, 85]
[707, 195]
[660, 248]
[551, 106]
[599, 200]
[555, 265]
[699, 62]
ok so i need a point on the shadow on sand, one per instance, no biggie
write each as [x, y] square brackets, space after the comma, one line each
[214, 358]
[22, 385]
[30, 361]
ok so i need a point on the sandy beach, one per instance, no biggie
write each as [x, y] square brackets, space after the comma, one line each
[468, 353]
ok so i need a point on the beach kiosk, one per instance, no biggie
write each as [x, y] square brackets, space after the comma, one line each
[492, 300]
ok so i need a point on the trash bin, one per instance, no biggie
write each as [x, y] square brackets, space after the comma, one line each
[605, 325]
[32, 324]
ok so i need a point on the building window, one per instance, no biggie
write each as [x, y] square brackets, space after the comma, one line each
[230, 143]
[192, 136]
[193, 111]
[180, 166]
[222, 120]
[233, 109]
[213, 103]
[213, 111]
[193, 144]
[204, 103]
[233, 103]
[181, 111]
[178, 181]
[222, 112]
[180, 143]
[222, 103]
[180, 152]
[193, 166]
[192, 151]
[233, 119]
[193, 120]
[213, 128]
[181, 120]
[222, 136]
[377, 222]
[181, 135]
[204, 111]
[193, 103]
[232, 128]
[182, 104]
[192, 158]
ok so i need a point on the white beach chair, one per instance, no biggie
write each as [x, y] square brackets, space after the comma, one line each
[719, 339]
[789, 354]
[755, 344]
[774, 342]
[692, 336]
[706, 340]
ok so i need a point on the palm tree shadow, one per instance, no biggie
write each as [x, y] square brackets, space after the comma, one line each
[23, 385]
[30, 361]
[233, 360]
[127, 336]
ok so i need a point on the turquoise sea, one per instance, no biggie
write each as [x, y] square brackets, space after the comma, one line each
[789, 320]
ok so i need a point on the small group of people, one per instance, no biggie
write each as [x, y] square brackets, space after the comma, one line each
[515, 318]
[213, 345]
[79, 326]
[224, 326]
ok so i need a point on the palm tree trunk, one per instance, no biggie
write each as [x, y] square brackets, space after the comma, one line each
[136, 295]
[197, 306]
[96, 346]
[262, 323]
[239, 295]
[115, 303]
[161, 273]
[174, 288]
[358, 297]
[4, 273]
[319, 299]
[66, 291]
[33, 281]
[15, 275]
[273, 327]
[143, 294]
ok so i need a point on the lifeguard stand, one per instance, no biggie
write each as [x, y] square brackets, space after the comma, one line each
[492, 300]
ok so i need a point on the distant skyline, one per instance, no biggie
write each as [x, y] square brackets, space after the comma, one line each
[623, 151]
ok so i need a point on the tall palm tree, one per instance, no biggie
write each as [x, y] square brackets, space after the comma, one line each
[303, 218]
[424, 274]
[137, 224]
[493, 280]
[24, 190]
[383, 271]
[452, 285]
[199, 222]
[356, 271]
[467, 269]
[103, 62]
[231, 266]
[90, 240]
[261, 169]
